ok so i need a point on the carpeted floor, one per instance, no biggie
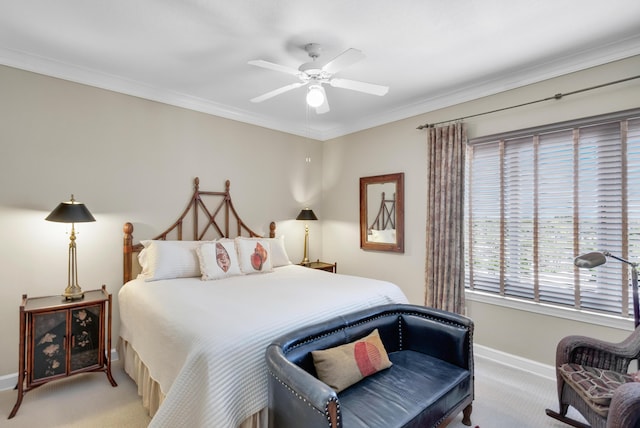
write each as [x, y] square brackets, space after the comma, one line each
[505, 398]
[510, 398]
[81, 401]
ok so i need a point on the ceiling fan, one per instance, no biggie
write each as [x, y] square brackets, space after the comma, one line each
[314, 75]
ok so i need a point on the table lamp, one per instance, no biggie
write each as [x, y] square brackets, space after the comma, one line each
[71, 212]
[306, 214]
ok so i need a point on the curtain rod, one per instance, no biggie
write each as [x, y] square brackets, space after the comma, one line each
[554, 97]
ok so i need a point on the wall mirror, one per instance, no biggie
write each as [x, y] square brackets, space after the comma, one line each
[382, 212]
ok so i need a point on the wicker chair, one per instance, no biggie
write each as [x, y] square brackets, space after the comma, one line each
[592, 377]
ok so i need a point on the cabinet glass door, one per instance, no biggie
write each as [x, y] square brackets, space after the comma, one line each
[85, 337]
[48, 345]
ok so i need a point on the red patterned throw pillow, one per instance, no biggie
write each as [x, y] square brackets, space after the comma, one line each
[367, 357]
[253, 254]
[344, 365]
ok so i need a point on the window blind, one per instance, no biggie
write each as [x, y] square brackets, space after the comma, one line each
[538, 198]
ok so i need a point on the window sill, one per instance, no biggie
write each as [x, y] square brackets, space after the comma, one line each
[550, 310]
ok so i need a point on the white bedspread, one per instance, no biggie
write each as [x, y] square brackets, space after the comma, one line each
[204, 341]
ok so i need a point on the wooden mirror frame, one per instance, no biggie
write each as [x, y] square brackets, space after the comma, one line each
[365, 244]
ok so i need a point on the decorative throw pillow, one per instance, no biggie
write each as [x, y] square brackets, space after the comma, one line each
[253, 254]
[169, 259]
[345, 365]
[218, 259]
[279, 256]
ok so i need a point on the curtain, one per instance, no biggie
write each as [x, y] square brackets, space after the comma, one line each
[444, 267]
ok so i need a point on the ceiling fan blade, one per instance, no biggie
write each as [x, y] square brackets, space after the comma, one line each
[345, 59]
[275, 67]
[324, 107]
[355, 85]
[278, 91]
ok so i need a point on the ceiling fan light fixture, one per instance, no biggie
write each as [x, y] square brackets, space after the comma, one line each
[315, 96]
[314, 76]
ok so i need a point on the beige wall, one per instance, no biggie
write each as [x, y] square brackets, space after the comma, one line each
[134, 160]
[399, 147]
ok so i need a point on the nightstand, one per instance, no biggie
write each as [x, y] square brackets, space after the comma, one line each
[60, 338]
[329, 267]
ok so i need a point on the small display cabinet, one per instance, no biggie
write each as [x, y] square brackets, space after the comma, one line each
[60, 338]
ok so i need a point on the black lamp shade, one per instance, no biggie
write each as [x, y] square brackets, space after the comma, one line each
[71, 212]
[306, 214]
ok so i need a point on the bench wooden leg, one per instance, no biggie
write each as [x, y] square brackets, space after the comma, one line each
[466, 415]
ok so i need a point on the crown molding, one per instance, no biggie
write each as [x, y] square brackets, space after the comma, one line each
[587, 58]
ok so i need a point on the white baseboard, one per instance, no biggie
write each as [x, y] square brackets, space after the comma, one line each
[530, 366]
[10, 381]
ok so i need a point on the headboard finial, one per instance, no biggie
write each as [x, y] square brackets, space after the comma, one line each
[196, 183]
[227, 185]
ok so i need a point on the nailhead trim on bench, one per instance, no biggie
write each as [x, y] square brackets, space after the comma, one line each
[300, 397]
[367, 320]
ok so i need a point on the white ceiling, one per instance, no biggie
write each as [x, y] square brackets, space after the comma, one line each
[431, 53]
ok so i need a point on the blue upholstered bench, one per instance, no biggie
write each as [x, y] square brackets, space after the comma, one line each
[429, 382]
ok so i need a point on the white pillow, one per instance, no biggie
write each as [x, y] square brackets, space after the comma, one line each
[279, 255]
[218, 259]
[254, 255]
[169, 259]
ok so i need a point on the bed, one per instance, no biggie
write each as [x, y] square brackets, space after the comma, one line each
[194, 342]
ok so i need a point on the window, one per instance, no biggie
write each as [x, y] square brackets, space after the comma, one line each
[538, 198]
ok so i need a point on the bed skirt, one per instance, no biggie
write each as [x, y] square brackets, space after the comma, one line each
[150, 392]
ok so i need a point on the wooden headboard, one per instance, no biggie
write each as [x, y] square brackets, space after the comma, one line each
[205, 219]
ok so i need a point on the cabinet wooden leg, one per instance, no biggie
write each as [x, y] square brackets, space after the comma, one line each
[111, 379]
[17, 405]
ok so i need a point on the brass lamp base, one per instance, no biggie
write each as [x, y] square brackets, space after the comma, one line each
[305, 258]
[73, 290]
[73, 293]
